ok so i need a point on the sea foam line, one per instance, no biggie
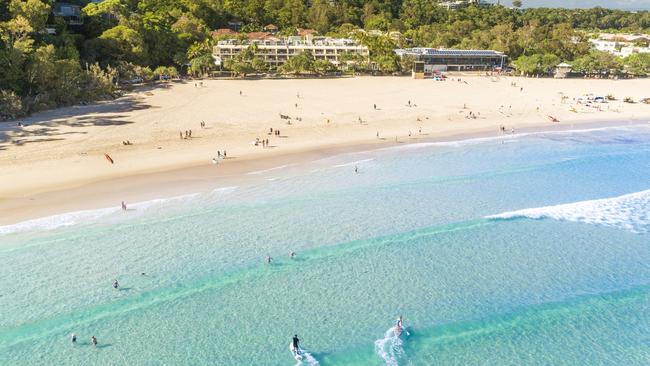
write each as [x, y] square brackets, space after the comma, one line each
[480, 140]
[258, 172]
[630, 212]
[95, 215]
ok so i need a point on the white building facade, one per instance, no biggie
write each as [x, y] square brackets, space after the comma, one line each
[621, 45]
[275, 52]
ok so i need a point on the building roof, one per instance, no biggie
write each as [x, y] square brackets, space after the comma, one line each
[623, 37]
[564, 64]
[271, 27]
[258, 35]
[447, 52]
[306, 32]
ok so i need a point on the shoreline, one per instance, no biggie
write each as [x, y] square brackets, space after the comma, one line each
[197, 179]
[55, 161]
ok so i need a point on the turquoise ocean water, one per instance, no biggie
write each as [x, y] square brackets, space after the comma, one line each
[524, 250]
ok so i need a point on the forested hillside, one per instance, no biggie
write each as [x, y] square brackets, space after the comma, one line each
[45, 62]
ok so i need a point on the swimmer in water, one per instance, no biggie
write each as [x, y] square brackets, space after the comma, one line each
[292, 254]
[73, 338]
[269, 259]
[115, 284]
[399, 323]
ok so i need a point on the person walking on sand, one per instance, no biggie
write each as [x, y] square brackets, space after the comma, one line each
[181, 133]
[123, 206]
[224, 154]
[374, 106]
[93, 340]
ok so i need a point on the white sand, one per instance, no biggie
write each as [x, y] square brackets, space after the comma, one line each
[62, 150]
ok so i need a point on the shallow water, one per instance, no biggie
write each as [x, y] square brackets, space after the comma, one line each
[531, 249]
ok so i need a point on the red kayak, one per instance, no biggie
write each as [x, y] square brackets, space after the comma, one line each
[108, 158]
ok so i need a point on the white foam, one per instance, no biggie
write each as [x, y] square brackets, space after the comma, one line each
[508, 137]
[308, 359]
[357, 162]
[104, 214]
[390, 348]
[258, 172]
[630, 212]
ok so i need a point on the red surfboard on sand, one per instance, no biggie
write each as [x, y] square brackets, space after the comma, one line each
[108, 158]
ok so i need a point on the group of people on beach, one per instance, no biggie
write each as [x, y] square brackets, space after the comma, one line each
[188, 134]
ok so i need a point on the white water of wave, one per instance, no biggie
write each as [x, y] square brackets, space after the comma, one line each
[351, 163]
[258, 172]
[85, 217]
[390, 348]
[509, 137]
[630, 212]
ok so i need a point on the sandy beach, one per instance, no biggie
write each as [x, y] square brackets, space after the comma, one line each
[55, 162]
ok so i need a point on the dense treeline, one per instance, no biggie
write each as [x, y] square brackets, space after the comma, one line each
[123, 39]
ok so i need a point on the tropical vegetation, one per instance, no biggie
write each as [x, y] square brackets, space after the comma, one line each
[47, 62]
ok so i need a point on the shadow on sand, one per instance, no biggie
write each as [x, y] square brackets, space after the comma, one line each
[46, 126]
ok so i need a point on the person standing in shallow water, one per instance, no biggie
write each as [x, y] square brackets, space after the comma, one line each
[93, 340]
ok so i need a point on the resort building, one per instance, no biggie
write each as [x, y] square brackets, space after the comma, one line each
[459, 4]
[622, 45]
[70, 13]
[275, 51]
[431, 60]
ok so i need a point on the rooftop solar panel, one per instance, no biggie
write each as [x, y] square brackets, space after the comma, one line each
[448, 52]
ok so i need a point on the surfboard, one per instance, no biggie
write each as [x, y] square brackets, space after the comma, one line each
[296, 353]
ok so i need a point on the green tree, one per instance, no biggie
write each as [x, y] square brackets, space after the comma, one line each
[122, 43]
[323, 67]
[299, 64]
[638, 64]
[598, 62]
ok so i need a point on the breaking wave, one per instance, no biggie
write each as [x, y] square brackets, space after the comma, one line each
[630, 212]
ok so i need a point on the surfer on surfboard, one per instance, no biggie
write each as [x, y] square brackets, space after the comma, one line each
[295, 348]
[399, 325]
